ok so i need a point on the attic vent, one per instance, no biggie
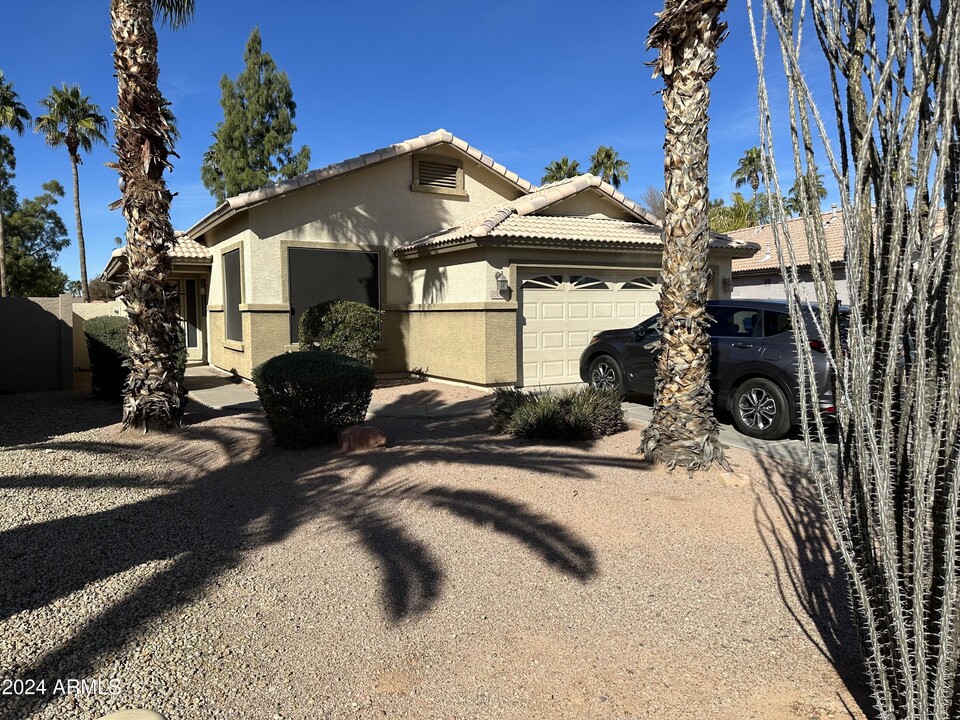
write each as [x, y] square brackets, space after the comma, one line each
[438, 175]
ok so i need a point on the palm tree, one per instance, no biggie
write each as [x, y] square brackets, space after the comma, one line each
[560, 170]
[606, 164]
[794, 203]
[684, 430]
[740, 213]
[13, 115]
[72, 120]
[153, 397]
[750, 170]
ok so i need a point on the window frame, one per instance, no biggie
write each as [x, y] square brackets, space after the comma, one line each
[230, 308]
[288, 289]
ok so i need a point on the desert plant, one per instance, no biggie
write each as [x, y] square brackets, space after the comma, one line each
[309, 396]
[566, 415]
[341, 326]
[891, 491]
[109, 355]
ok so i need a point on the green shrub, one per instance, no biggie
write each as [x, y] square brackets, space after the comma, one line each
[309, 396]
[107, 347]
[567, 415]
[341, 326]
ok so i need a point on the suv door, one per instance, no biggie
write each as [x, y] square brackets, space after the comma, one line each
[736, 341]
[639, 361]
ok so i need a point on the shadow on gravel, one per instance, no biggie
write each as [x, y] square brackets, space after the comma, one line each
[208, 522]
[809, 569]
[69, 413]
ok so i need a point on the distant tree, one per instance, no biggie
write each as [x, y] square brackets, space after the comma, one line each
[606, 164]
[74, 288]
[560, 170]
[13, 115]
[814, 191]
[36, 234]
[652, 201]
[253, 146]
[73, 121]
[102, 290]
[741, 213]
[750, 170]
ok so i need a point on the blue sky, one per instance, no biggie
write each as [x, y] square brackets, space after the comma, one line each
[525, 81]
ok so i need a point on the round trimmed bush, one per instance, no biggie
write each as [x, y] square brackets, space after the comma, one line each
[309, 396]
[341, 326]
[107, 347]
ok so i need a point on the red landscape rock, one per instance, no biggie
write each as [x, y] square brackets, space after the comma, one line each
[360, 437]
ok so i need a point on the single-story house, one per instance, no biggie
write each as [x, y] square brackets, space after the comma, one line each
[483, 278]
[759, 277]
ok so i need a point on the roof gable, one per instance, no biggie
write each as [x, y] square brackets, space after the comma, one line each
[529, 218]
[441, 137]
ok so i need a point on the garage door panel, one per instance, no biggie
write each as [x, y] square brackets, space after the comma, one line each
[578, 338]
[602, 311]
[578, 310]
[553, 340]
[557, 322]
[552, 311]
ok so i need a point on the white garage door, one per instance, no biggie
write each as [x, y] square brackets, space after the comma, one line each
[561, 311]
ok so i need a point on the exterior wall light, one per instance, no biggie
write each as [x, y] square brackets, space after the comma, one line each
[502, 286]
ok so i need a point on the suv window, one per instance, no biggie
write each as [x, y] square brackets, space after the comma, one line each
[734, 322]
[775, 323]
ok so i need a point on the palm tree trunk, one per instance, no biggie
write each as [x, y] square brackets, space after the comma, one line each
[684, 430]
[85, 289]
[153, 397]
[3, 259]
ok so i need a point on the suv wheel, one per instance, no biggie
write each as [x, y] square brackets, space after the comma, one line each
[760, 409]
[605, 374]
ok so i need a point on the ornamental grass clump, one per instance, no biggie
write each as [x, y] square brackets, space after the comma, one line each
[308, 397]
[565, 416]
[341, 326]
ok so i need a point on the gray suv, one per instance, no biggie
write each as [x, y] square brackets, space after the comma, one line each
[753, 364]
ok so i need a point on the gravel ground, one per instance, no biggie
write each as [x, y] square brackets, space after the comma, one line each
[206, 574]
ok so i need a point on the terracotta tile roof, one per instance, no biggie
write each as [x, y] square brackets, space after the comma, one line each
[516, 220]
[766, 260]
[437, 137]
[184, 249]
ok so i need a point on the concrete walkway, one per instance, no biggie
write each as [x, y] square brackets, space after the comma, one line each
[228, 393]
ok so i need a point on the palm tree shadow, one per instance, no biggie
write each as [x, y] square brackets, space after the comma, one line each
[809, 572]
[209, 522]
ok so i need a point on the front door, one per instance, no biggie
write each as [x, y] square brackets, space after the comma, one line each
[191, 318]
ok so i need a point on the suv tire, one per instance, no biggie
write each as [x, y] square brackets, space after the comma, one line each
[760, 409]
[605, 374]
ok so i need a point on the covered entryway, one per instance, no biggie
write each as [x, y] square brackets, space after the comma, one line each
[559, 311]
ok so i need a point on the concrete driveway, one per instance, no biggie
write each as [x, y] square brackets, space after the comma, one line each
[789, 448]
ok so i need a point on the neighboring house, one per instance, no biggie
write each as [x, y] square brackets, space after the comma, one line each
[759, 277]
[482, 277]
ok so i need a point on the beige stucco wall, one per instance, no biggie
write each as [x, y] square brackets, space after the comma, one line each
[371, 210]
[589, 202]
[474, 344]
[85, 311]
